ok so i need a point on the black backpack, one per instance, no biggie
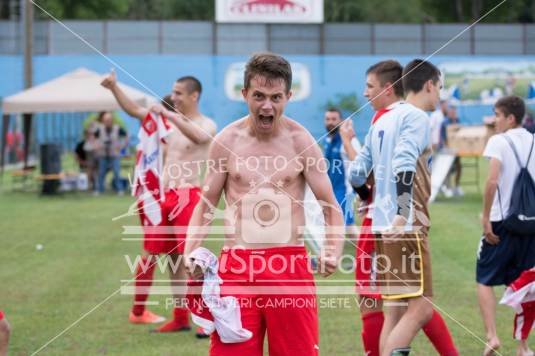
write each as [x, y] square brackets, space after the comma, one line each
[521, 218]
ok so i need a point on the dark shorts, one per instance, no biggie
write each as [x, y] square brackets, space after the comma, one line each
[502, 263]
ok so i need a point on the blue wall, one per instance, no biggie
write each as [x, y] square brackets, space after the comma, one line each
[330, 75]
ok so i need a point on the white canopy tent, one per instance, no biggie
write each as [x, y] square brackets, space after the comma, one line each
[76, 91]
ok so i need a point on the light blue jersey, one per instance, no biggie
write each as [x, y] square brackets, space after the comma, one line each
[394, 144]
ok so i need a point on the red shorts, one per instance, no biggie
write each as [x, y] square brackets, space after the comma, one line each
[170, 235]
[276, 293]
[365, 277]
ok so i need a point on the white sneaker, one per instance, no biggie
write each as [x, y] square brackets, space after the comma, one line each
[458, 192]
[446, 191]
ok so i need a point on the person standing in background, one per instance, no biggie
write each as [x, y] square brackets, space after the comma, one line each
[110, 139]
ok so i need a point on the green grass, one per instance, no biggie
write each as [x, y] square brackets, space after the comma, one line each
[44, 291]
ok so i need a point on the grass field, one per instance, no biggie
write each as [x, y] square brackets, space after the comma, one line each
[43, 292]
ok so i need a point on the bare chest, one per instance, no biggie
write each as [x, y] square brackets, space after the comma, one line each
[253, 164]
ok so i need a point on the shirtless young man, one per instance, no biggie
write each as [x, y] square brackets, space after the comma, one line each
[186, 147]
[275, 188]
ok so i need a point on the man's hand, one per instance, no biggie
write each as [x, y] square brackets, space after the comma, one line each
[110, 80]
[346, 131]
[328, 261]
[490, 237]
[195, 272]
[157, 109]
[396, 230]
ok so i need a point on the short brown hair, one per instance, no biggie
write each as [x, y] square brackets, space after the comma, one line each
[388, 71]
[192, 84]
[512, 105]
[270, 66]
[416, 73]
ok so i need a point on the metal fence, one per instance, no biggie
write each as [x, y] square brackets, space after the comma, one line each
[199, 37]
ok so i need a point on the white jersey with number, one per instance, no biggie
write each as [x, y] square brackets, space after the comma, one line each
[394, 144]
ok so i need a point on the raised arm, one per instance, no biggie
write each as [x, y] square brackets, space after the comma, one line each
[347, 133]
[361, 167]
[128, 105]
[199, 134]
[321, 186]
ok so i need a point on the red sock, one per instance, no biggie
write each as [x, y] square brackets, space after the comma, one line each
[372, 323]
[181, 316]
[144, 272]
[437, 332]
[180, 322]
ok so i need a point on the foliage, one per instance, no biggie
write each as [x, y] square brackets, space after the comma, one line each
[389, 11]
[347, 103]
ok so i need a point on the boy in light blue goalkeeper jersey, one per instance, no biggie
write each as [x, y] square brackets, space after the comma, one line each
[392, 146]
[397, 150]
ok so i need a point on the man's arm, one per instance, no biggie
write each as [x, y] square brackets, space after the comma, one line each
[321, 186]
[214, 183]
[129, 106]
[347, 133]
[199, 134]
[361, 167]
[490, 190]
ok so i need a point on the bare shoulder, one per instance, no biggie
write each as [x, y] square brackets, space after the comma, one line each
[208, 120]
[230, 134]
[301, 137]
[208, 124]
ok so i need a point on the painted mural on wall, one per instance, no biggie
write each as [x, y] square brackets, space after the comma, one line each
[484, 82]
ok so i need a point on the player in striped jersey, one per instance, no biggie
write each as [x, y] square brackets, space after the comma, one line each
[396, 148]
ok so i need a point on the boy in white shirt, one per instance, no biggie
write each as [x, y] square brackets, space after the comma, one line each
[502, 256]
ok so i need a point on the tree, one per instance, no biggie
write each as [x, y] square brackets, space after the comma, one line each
[392, 11]
[472, 10]
[172, 10]
[84, 9]
[386, 11]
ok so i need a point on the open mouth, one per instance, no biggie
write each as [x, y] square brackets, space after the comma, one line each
[266, 121]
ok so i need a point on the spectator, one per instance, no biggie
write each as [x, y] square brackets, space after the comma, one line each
[110, 139]
[84, 154]
[80, 152]
[437, 118]
[529, 123]
[452, 118]
[336, 153]
[502, 256]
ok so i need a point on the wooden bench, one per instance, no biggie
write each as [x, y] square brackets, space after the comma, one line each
[21, 179]
[45, 177]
